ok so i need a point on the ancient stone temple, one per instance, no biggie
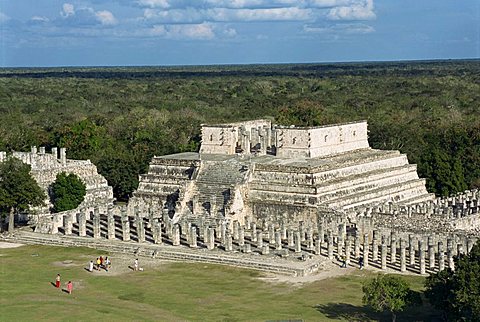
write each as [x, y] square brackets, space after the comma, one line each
[260, 171]
[45, 167]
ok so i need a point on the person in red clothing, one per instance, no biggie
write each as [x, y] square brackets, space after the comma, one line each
[69, 287]
[57, 281]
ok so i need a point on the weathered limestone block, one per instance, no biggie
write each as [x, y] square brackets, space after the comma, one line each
[176, 235]
[375, 247]
[290, 238]
[96, 224]
[403, 260]
[384, 253]
[356, 246]
[318, 245]
[278, 240]
[253, 234]
[211, 239]
[393, 248]
[348, 246]
[110, 224]
[68, 224]
[411, 249]
[441, 256]
[298, 242]
[330, 245]
[140, 229]
[365, 250]
[193, 237]
[228, 242]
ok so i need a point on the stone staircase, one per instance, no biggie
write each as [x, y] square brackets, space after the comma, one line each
[216, 181]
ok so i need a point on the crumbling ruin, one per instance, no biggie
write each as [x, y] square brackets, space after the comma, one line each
[264, 196]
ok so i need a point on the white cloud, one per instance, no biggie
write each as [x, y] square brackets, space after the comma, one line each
[105, 18]
[3, 17]
[67, 10]
[154, 3]
[344, 28]
[362, 10]
[191, 15]
[192, 31]
[230, 32]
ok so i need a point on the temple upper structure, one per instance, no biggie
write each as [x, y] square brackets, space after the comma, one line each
[259, 170]
[260, 137]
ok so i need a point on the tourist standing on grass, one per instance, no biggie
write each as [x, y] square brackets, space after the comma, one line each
[135, 264]
[69, 287]
[57, 281]
[90, 266]
[107, 263]
[98, 264]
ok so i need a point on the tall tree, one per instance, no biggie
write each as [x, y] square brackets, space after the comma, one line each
[457, 292]
[18, 190]
[387, 293]
[67, 192]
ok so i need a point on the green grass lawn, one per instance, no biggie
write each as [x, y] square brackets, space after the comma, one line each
[173, 292]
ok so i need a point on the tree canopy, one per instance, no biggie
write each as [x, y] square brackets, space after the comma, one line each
[387, 293]
[67, 192]
[457, 293]
[18, 190]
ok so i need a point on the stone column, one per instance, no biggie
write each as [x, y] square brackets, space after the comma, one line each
[340, 247]
[193, 237]
[68, 224]
[110, 223]
[96, 224]
[228, 242]
[403, 259]
[309, 239]
[318, 245]
[421, 256]
[330, 245]
[140, 229]
[271, 234]
[253, 236]
[259, 239]
[157, 232]
[247, 248]
[236, 225]
[459, 249]
[451, 264]
[176, 235]
[278, 240]
[384, 253]
[211, 239]
[375, 246]
[291, 242]
[411, 250]
[431, 256]
[301, 228]
[393, 248]
[241, 236]
[365, 250]
[266, 249]
[126, 228]
[283, 230]
[348, 247]
[82, 224]
[298, 242]
[441, 257]
[356, 246]
[321, 234]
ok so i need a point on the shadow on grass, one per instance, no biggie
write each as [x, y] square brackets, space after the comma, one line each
[349, 312]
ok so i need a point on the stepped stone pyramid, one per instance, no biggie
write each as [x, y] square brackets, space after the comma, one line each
[262, 171]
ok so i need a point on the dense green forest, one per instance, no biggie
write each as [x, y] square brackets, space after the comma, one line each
[120, 117]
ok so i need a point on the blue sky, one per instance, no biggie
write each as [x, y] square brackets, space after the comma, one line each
[180, 32]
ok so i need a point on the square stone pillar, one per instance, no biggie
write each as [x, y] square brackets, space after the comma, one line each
[193, 237]
[140, 229]
[68, 224]
[441, 257]
[411, 250]
[241, 236]
[431, 256]
[125, 227]
[421, 256]
[271, 234]
[403, 259]
[318, 245]
[211, 239]
[348, 246]
[266, 249]
[96, 224]
[298, 242]
[330, 245]
[82, 224]
[290, 238]
[228, 242]
[375, 247]
[259, 239]
[383, 253]
[110, 223]
[366, 247]
[356, 246]
[176, 235]
[393, 248]
[253, 234]
[157, 232]
[278, 240]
